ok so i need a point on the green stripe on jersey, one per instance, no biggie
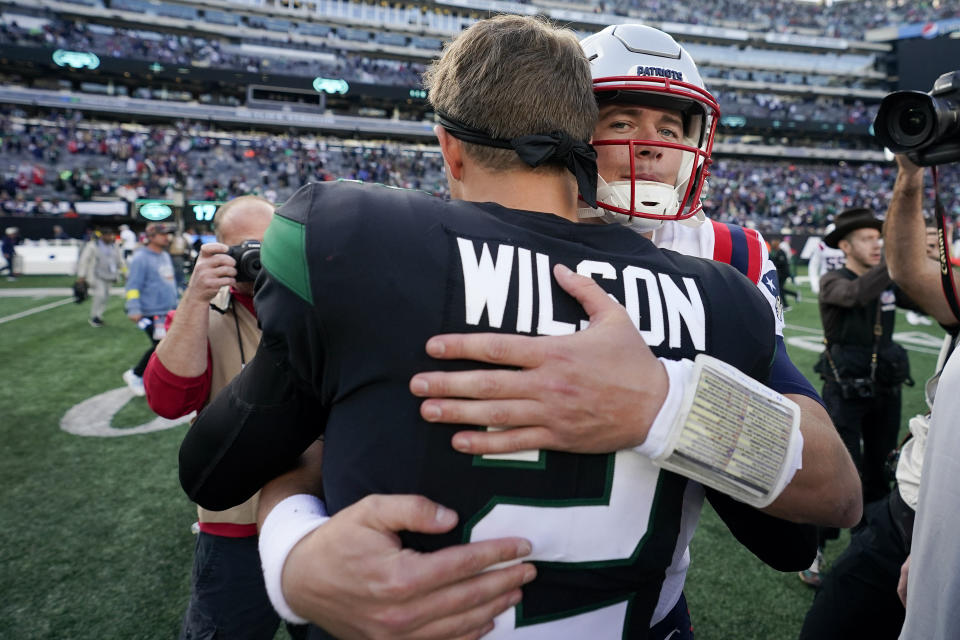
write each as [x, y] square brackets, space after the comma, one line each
[284, 255]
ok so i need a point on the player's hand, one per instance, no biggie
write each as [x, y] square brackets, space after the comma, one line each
[213, 270]
[352, 577]
[902, 582]
[135, 318]
[595, 391]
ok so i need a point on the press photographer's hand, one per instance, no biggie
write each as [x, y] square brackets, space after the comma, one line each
[214, 269]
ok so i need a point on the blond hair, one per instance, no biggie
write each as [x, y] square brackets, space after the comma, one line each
[511, 76]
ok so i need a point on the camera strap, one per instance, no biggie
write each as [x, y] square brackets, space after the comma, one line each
[833, 365]
[236, 322]
[946, 270]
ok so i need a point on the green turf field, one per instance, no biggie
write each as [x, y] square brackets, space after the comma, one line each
[96, 540]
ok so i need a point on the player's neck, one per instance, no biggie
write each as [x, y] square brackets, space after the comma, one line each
[526, 190]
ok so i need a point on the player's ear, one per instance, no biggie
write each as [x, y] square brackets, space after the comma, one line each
[452, 150]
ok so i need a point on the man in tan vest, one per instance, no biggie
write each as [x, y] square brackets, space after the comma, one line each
[212, 336]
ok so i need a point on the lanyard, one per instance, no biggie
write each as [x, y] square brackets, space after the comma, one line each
[946, 271]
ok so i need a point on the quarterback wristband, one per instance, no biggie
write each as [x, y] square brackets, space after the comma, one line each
[731, 433]
[679, 372]
[286, 525]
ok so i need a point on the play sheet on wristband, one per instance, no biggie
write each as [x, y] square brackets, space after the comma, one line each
[732, 434]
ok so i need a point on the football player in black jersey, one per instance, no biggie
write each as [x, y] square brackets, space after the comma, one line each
[358, 277]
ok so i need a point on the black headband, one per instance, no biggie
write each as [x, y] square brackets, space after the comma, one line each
[579, 157]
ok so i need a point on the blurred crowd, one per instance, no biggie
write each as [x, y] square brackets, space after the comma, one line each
[771, 195]
[46, 165]
[841, 19]
[795, 108]
[181, 49]
[67, 159]
[167, 48]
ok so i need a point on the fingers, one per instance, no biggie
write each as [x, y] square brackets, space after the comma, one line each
[484, 413]
[405, 513]
[454, 564]
[213, 270]
[903, 580]
[212, 248]
[467, 609]
[490, 383]
[219, 262]
[588, 293]
[495, 348]
[508, 441]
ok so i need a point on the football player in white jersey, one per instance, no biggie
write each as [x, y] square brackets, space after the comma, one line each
[824, 259]
[654, 142]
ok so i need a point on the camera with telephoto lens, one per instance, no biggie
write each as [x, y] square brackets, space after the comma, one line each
[247, 255]
[925, 126]
[857, 388]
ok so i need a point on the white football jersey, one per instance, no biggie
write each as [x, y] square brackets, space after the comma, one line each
[822, 260]
[746, 250]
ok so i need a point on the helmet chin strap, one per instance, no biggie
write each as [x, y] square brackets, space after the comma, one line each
[657, 198]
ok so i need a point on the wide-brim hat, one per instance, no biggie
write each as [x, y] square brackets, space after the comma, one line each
[851, 220]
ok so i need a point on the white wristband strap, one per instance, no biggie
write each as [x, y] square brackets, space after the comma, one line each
[725, 430]
[679, 372]
[288, 523]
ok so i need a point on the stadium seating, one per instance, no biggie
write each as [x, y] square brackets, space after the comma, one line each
[758, 84]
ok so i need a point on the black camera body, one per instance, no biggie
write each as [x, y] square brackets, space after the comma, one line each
[247, 255]
[857, 388]
[925, 126]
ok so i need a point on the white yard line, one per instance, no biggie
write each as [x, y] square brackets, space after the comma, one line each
[796, 327]
[918, 341]
[30, 312]
[46, 292]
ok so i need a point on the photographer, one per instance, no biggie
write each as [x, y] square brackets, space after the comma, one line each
[213, 334]
[859, 595]
[862, 367]
[927, 472]
[910, 536]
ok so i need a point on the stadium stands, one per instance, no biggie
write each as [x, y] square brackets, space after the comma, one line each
[61, 158]
[784, 98]
[840, 19]
[302, 60]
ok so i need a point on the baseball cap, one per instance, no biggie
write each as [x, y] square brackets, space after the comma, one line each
[158, 227]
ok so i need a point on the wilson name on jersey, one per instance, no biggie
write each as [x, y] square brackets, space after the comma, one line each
[358, 277]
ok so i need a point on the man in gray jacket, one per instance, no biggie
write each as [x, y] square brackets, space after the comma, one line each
[100, 266]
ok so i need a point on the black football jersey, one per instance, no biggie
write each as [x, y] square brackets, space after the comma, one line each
[358, 277]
